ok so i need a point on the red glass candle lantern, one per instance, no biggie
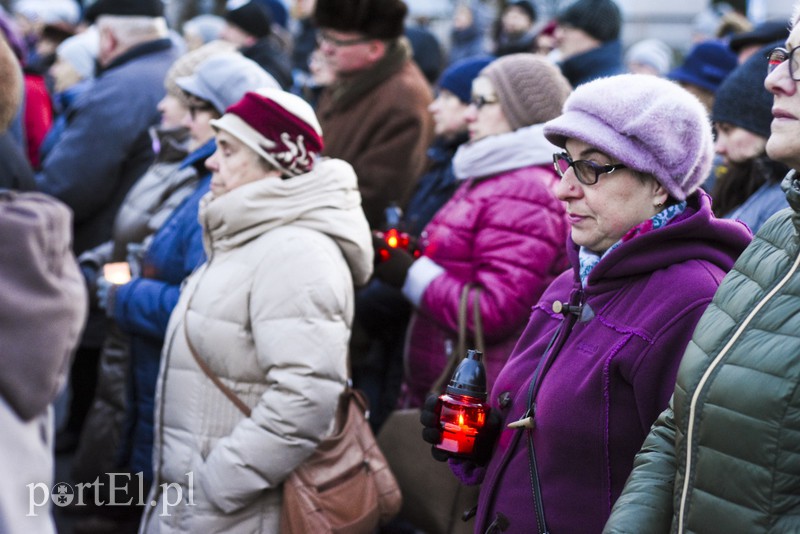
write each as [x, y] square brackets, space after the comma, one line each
[463, 408]
[393, 236]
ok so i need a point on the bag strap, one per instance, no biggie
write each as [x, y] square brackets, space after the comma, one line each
[228, 392]
[461, 347]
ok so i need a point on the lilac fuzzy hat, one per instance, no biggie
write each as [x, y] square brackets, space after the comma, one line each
[650, 124]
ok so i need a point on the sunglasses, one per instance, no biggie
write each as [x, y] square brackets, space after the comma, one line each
[587, 172]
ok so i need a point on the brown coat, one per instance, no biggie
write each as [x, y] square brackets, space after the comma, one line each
[384, 135]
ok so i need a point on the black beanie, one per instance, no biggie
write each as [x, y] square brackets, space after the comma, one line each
[378, 19]
[599, 18]
[124, 8]
[742, 100]
[526, 6]
[252, 17]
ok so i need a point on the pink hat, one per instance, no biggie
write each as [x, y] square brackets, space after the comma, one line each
[650, 124]
[281, 127]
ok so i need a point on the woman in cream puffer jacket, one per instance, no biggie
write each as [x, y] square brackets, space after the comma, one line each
[270, 314]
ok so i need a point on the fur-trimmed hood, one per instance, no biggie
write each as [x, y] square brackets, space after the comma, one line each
[10, 85]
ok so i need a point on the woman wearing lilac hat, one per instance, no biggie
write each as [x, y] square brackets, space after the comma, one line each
[596, 363]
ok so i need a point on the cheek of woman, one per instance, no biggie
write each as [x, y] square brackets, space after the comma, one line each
[609, 209]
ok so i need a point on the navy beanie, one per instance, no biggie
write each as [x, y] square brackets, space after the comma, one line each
[707, 65]
[277, 11]
[601, 19]
[252, 17]
[457, 78]
[742, 100]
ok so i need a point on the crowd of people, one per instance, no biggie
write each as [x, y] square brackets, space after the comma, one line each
[626, 219]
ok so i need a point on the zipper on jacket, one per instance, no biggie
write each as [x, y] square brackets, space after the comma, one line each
[700, 385]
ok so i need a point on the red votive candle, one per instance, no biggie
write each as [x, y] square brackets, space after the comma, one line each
[463, 407]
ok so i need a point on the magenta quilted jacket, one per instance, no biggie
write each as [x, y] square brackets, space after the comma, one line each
[506, 233]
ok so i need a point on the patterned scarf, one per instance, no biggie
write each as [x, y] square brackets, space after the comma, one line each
[588, 260]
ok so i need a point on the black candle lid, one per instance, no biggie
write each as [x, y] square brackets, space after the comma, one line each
[470, 377]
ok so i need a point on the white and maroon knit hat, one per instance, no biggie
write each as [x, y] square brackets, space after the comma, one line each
[281, 127]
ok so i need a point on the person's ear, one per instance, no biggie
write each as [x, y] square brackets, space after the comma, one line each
[376, 49]
[660, 194]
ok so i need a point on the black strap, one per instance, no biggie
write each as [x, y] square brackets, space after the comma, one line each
[531, 412]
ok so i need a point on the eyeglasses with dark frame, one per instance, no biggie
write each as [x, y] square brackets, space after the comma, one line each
[482, 100]
[323, 36]
[195, 109]
[587, 172]
[778, 55]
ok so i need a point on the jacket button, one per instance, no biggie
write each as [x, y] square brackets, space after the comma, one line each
[504, 399]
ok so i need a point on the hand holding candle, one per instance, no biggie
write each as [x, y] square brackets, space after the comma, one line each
[117, 273]
[464, 409]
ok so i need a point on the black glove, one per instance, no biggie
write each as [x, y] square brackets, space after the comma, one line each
[90, 273]
[432, 433]
[391, 264]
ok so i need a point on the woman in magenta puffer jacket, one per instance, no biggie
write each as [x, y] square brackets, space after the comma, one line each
[504, 230]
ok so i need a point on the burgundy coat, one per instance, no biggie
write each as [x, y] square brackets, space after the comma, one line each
[505, 233]
[609, 374]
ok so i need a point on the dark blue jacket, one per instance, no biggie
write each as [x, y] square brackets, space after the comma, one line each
[605, 60]
[142, 309]
[63, 103]
[106, 146]
[434, 188]
[378, 304]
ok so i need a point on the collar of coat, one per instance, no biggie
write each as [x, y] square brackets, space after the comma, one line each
[144, 49]
[352, 88]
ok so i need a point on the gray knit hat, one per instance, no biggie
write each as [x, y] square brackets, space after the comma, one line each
[742, 100]
[81, 51]
[530, 88]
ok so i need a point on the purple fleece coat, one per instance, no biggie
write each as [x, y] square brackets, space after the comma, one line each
[506, 234]
[609, 373]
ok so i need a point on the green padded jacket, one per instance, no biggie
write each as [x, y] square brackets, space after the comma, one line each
[725, 455]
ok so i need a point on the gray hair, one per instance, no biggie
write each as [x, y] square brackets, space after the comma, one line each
[131, 31]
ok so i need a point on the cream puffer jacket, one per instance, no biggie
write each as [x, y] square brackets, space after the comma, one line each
[270, 313]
